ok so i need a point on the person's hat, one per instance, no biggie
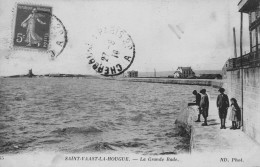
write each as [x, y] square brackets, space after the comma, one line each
[203, 91]
[221, 90]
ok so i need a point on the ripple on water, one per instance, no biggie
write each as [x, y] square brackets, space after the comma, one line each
[77, 130]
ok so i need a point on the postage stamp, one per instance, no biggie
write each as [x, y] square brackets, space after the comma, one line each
[111, 51]
[32, 26]
[36, 27]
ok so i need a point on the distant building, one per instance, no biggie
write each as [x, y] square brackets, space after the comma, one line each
[132, 74]
[183, 72]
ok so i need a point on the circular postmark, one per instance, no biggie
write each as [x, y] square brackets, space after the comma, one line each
[58, 36]
[111, 51]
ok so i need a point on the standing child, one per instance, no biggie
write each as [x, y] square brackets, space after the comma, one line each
[235, 115]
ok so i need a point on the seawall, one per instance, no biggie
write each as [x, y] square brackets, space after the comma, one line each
[184, 122]
[202, 82]
[211, 139]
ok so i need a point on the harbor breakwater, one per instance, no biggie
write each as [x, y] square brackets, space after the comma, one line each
[203, 82]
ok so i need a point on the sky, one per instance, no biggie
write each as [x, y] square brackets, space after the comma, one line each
[166, 33]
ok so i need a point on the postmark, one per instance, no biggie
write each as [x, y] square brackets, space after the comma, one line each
[58, 37]
[37, 28]
[111, 51]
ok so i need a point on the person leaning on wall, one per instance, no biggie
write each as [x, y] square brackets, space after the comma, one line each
[196, 103]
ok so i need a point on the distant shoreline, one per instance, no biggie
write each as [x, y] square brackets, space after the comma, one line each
[51, 76]
[217, 83]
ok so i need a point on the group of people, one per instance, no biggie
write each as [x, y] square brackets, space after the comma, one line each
[202, 101]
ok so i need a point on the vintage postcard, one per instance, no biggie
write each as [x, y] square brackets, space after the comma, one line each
[172, 83]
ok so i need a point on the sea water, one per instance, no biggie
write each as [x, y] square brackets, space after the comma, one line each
[86, 115]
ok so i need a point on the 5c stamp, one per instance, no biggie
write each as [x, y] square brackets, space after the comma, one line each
[37, 28]
[32, 26]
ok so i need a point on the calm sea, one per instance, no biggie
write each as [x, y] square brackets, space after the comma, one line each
[91, 115]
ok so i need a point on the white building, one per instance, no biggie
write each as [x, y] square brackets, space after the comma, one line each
[183, 72]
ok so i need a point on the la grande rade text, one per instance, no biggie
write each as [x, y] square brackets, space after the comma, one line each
[151, 159]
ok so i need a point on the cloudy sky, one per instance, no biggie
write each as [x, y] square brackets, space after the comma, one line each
[204, 38]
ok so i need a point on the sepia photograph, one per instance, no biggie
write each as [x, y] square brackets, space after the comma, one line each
[171, 83]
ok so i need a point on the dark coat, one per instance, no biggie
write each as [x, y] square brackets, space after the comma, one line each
[204, 105]
[237, 111]
[222, 101]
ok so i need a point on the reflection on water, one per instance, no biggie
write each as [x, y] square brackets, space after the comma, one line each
[91, 115]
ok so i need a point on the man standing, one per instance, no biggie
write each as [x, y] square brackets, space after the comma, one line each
[222, 104]
[204, 105]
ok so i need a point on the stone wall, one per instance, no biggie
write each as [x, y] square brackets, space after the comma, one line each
[251, 98]
[203, 82]
[185, 121]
